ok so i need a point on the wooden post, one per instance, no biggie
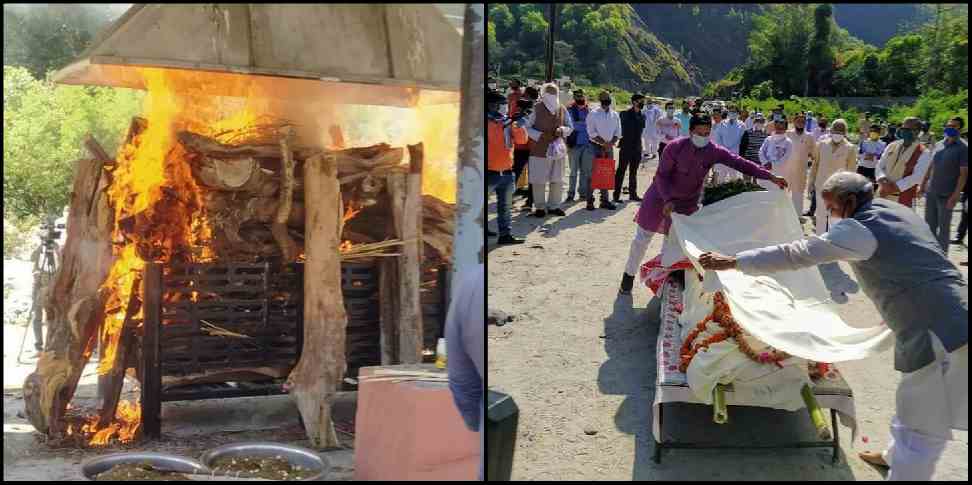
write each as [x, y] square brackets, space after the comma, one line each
[322, 364]
[151, 375]
[77, 308]
[405, 191]
[388, 298]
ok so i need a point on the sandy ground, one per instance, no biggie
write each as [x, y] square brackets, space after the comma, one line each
[579, 361]
[189, 428]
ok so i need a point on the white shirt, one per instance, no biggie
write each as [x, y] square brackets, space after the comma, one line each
[534, 134]
[880, 171]
[730, 135]
[847, 240]
[868, 147]
[605, 124]
[652, 113]
[774, 151]
[714, 132]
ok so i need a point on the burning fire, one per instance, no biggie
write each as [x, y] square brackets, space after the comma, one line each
[157, 202]
[128, 419]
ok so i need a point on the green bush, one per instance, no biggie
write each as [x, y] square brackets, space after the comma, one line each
[935, 107]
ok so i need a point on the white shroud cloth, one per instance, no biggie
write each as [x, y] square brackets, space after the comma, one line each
[789, 310]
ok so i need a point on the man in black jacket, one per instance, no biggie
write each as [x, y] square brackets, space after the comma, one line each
[632, 126]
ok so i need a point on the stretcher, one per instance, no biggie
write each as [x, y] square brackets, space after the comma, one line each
[831, 392]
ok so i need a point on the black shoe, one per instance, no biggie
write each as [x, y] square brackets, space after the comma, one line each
[627, 282]
[527, 207]
[625, 190]
[539, 213]
[490, 233]
[607, 205]
[590, 205]
[508, 239]
[634, 198]
[957, 241]
[570, 198]
[558, 212]
[617, 198]
[808, 214]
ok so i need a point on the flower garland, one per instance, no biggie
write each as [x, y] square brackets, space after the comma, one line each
[722, 315]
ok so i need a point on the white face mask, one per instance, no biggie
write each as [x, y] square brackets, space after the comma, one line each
[551, 101]
[778, 136]
[504, 109]
[700, 141]
[758, 126]
[837, 137]
[733, 116]
[670, 112]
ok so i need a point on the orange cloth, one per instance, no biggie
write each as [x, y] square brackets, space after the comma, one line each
[498, 156]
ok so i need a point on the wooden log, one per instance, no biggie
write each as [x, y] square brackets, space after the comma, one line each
[77, 308]
[389, 313]
[406, 206]
[102, 157]
[322, 364]
[135, 128]
[115, 379]
[279, 225]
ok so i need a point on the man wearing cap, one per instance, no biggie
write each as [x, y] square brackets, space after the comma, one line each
[832, 154]
[604, 131]
[578, 144]
[548, 125]
[677, 186]
[632, 127]
[499, 163]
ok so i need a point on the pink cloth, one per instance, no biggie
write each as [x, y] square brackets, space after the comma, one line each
[411, 431]
[653, 274]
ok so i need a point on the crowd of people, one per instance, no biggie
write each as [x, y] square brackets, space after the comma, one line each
[531, 131]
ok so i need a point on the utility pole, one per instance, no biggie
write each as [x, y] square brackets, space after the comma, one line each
[550, 41]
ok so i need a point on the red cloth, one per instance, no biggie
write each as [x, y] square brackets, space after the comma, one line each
[653, 274]
[602, 175]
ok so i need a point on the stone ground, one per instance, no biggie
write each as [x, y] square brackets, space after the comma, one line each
[579, 361]
[189, 428]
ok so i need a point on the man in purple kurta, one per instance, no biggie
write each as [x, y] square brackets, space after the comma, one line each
[678, 186]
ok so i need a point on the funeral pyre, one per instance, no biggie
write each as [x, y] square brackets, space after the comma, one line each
[203, 178]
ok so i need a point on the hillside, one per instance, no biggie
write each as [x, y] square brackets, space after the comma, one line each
[714, 37]
[710, 36]
[876, 23]
[596, 44]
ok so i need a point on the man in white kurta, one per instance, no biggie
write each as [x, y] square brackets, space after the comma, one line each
[832, 154]
[932, 396]
[650, 137]
[795, 169]
[775, 153]
[548, 123]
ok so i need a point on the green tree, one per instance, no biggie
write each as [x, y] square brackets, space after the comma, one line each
[502, 20]
[821, 56]
[901, 66]
[44, 125]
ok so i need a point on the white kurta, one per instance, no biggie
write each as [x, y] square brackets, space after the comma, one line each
[775, 153]
[828, 159]
[795, 169]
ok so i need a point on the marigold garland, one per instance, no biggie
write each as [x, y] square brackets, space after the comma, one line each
[721, 315]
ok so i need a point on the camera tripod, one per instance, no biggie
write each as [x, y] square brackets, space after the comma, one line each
[44, 270]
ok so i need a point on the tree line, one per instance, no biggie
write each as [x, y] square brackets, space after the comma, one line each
[797, 49]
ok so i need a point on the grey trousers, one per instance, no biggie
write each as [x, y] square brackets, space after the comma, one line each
[575, 155]
[939, 218]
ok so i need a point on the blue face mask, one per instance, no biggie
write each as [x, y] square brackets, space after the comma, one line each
[907, 135]
[951, 132]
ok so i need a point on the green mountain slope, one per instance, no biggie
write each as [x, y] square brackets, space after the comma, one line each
[596, 43]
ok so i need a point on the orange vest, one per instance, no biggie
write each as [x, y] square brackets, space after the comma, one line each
[498, 157]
